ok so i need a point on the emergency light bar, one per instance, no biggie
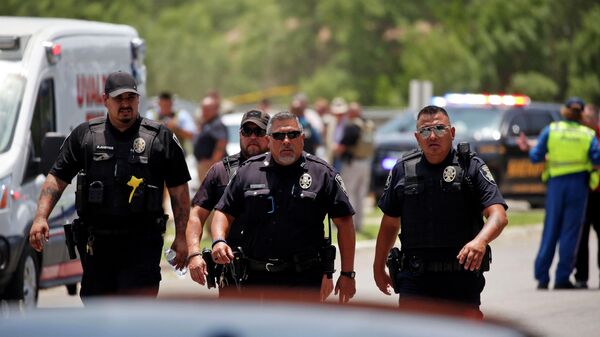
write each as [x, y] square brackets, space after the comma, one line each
[480, 99]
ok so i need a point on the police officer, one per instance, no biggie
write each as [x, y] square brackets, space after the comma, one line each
[253, 141]
[440, 198]
[124, 160]
[569, 150]
[284, 196]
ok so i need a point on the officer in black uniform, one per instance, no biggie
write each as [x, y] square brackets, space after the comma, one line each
[284, 196]
[123, 162]
[253, 141]
[441, 197]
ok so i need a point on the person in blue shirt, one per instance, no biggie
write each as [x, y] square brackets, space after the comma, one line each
[569, 150]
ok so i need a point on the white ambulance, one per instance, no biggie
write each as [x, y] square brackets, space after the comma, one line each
[52, 74]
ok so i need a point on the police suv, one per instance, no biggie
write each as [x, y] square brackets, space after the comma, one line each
[491, 124]
[52, 74]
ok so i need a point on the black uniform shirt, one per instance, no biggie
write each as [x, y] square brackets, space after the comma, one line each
[214, 184]
[485, 187]
[210, 134]
[284, 205]
[167, 160]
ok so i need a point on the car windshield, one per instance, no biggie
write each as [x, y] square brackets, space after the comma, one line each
[11, 95]
[403, 123]
[476, 123]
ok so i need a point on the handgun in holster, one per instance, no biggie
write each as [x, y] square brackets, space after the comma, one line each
[394, 264]
[487, 259]
[237, 268]
[328, 260]
[71, 237]
[211, 268]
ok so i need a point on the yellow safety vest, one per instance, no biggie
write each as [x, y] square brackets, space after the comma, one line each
[568, 148]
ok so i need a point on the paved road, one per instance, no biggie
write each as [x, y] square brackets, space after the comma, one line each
[510, 292]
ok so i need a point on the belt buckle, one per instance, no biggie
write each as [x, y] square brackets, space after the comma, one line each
[268, 265]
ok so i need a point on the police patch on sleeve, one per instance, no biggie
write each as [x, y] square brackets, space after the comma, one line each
[487, 174]
[177, 141]
[388, 181]
[340, 182]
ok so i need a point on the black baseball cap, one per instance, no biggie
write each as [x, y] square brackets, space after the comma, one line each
[118, 83]
[257, 117]
[574, 100]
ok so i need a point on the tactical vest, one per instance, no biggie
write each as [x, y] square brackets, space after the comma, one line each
[568, 148]
[119, 180]
[438, 209]
[364, 145]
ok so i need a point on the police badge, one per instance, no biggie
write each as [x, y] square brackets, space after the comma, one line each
[449, 174]
[139, 145]
[305, 181]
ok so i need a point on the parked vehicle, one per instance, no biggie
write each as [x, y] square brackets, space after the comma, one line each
[52, 74]
[491, 124]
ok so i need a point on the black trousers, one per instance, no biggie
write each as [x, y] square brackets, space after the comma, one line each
[121, 265]
[460, 287]
[592, 219]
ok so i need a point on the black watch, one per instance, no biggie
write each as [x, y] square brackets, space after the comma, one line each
[350, 274]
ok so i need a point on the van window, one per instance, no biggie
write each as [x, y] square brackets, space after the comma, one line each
[531, 124]
[11, 94]
[44, 119]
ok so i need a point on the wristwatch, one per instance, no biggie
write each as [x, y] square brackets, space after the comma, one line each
[350, 274]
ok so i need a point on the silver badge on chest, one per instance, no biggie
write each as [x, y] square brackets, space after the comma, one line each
[305, 181]
[449, 174]
[139, 145]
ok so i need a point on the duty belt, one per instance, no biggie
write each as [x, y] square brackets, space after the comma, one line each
[417, 264]
[271, 266]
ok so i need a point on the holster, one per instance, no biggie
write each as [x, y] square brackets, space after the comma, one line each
[211, 268]
[235, 273]
[394, 263]
[70, 241]
[327, 256]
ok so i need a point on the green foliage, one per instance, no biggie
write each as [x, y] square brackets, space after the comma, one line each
[537, 86]
[365, 50]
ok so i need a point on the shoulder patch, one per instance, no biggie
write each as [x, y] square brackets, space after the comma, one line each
[388, 181]
[177, 141]
[340, 182]
[487, 174]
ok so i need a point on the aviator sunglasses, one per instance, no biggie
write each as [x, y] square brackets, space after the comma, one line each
[248, 131]
[282, 135]
[438, 130]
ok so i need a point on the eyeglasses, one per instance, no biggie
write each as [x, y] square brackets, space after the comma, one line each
[248, 131]
[289, 134]
[439, 130]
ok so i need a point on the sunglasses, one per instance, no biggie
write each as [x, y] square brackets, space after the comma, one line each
[248, 131]
[439, 130]
[282, 135]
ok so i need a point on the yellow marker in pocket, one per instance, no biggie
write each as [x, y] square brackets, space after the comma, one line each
[134, 182]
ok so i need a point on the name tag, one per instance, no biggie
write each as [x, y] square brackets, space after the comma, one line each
[257, 186]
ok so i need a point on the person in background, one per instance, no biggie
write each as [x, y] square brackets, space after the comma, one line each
[590, 118]
[210, 145]
[312, 136]
[355, 150]
[568, 164]
[180, 122]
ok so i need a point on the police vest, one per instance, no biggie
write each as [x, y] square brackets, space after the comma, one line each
[231, 164]
[118, 175]
[568, 148]
[439, 209]
[364, 145]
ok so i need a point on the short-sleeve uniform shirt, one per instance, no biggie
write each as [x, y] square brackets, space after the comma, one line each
[284, 205]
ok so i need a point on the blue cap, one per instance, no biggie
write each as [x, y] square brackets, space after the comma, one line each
[574, 100]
